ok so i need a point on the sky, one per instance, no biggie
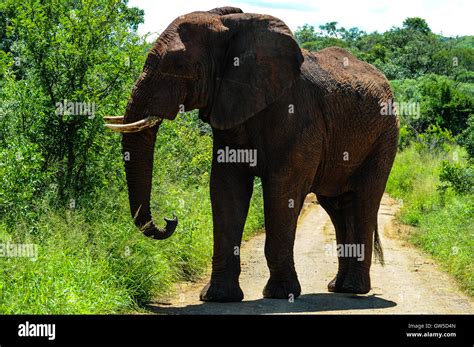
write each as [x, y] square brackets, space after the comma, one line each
[450, 18]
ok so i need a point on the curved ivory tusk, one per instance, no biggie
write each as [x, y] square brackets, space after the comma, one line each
[113, 119]
[136, 126]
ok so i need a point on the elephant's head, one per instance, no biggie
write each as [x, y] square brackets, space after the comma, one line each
[227, 64]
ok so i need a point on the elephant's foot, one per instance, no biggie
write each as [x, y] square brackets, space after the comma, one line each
[282, 289]
[222, 291]
[350, 282]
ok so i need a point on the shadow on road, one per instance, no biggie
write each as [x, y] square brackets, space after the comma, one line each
[308, 303]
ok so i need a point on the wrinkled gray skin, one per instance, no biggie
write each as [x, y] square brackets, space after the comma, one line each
[314, 119]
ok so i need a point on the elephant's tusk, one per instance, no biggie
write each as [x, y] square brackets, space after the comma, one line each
[113, 119]
[136, 126]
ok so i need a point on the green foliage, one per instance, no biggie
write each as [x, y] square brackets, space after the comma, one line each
[444, 218]
[328, 36]
[443, 103]
[446, 233]
[304, 34]
[466, 138]
[178, 140]
[21, 180]
[458, 177]
[417, 24]
[323, 43]
[412, 179]
[60, 52]
[403, 52]
[434, 139]
[66, 278]
[405, 137]
[307, 35]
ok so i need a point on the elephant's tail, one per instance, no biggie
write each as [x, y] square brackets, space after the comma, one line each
[378, 250]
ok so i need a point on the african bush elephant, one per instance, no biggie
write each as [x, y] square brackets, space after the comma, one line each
[313, 120]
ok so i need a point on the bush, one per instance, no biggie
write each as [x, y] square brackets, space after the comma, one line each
[323, 42]
[457, 176]
[445, 234]
[411, 180]
[443, 217]
[443, 103]
[466, 139]
[434, 138]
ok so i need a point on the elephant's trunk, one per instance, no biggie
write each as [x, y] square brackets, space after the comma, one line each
[138, 148]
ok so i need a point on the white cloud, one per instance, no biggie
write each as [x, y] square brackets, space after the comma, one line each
[450, 18]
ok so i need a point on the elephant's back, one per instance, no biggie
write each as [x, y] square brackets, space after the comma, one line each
[337, 71]
[349, 91]
[350, 94]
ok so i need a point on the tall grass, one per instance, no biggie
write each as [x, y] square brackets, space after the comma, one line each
[93, 260]
[444, 219]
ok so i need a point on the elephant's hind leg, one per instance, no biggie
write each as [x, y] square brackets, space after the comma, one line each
[355, 222]
[354, 216]
[353, 243]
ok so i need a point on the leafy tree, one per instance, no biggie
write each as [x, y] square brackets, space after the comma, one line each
[353, 35]
[330, 35]
[329, 29]
[305, 34]
[417, 24]
[83, 52]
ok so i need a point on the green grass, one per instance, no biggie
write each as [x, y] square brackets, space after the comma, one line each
[444, 221]
[92, 260]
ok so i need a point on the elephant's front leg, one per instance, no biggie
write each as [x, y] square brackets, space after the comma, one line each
[283, 202]
[231, 190]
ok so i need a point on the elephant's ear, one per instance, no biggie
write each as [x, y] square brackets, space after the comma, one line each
[261, 61]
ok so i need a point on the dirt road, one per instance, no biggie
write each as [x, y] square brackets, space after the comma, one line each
[409, 282]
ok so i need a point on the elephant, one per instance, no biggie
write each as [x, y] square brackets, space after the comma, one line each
[312, 119]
